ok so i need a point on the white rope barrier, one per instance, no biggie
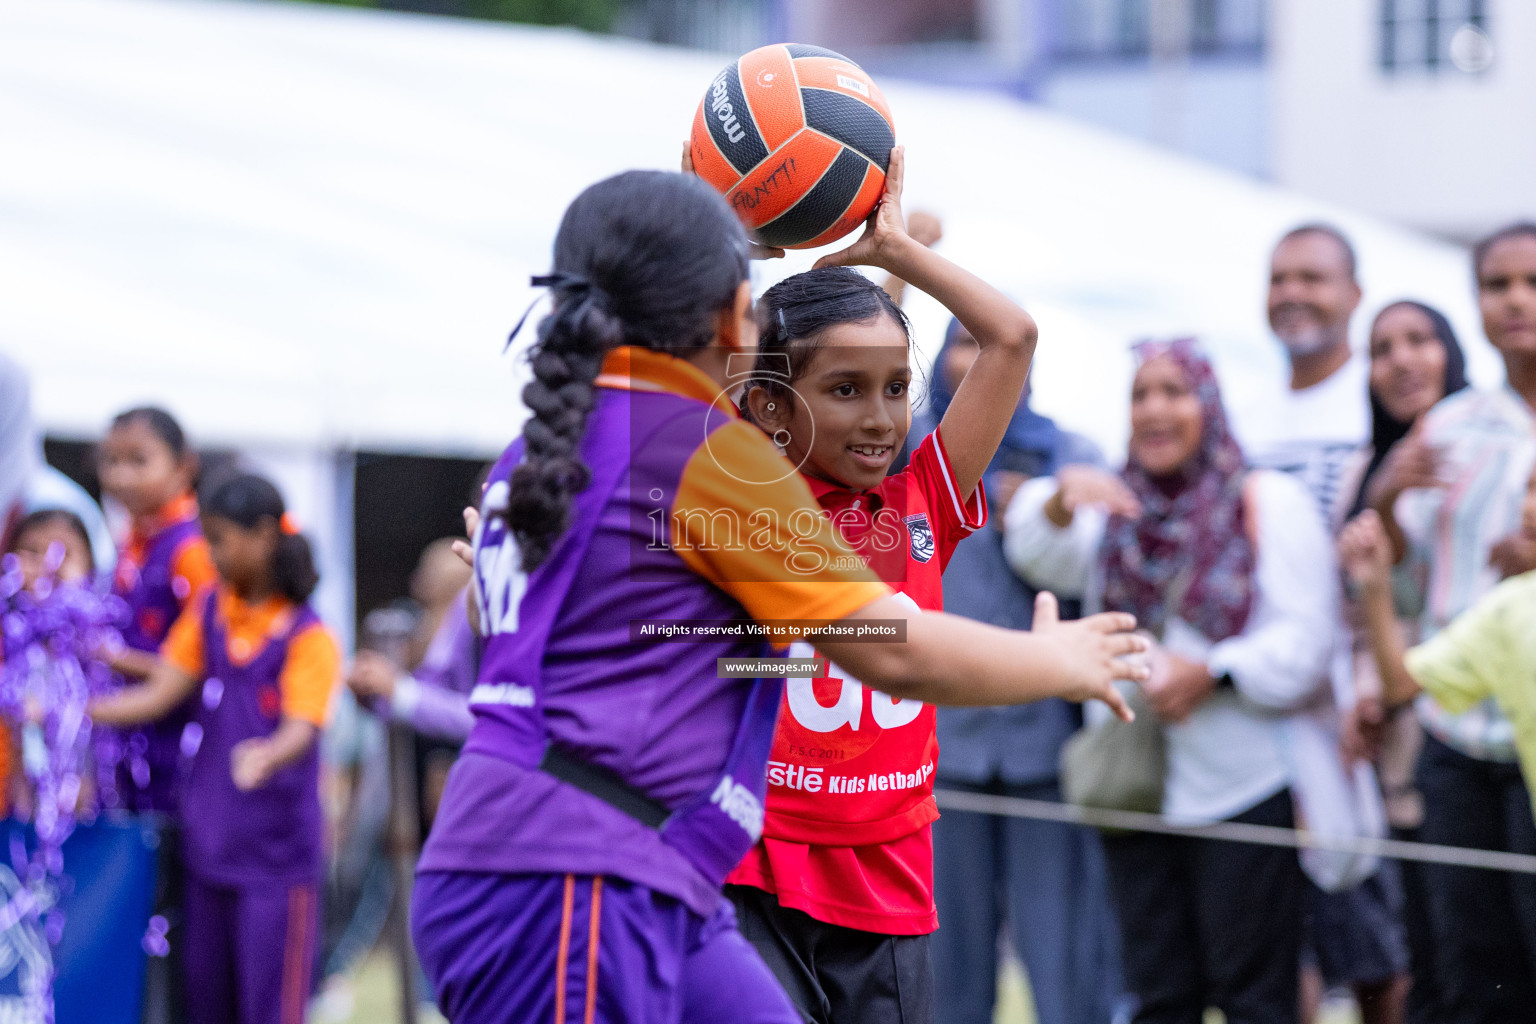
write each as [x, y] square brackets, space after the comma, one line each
[1232, 831]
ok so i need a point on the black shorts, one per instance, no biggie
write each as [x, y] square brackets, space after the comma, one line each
[837, 975]
[1357, 937]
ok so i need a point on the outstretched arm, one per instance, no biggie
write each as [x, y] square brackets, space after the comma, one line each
[165, 687]
[946, 659]
[253, 762]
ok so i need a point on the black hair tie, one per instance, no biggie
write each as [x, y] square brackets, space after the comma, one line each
[561, 282]
[556, 282]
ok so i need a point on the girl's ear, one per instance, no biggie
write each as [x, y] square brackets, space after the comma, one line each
[190, 466]
[769, 411]
[736, 330]
[269, 529]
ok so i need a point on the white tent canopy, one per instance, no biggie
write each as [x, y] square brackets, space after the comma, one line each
[310, 226]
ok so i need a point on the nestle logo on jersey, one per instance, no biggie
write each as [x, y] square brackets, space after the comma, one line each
[739, 804]
[510, 694]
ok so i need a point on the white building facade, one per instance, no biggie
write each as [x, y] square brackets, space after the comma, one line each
[1419, 111]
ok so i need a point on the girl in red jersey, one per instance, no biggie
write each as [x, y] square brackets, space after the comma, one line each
[838, 895]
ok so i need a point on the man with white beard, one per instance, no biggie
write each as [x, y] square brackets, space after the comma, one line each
[1312, 428]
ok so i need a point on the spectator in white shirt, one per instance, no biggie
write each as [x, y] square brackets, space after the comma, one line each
[1312, 426]
[1233, 572]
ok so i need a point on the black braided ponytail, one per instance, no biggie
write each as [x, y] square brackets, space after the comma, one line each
[644, 258]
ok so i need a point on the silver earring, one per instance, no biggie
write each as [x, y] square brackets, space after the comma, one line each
[781, 437]
[771, 407]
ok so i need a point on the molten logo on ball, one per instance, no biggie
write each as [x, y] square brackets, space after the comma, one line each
[799, 138]
[721, 105]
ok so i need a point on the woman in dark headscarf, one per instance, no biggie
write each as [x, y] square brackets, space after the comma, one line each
[1046, 880]
[1233, 571]
[1415, 362]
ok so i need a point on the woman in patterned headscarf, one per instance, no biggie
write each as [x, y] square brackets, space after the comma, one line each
[1232, 571]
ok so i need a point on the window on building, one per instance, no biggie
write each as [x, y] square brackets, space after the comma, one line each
[1433, 35]
[1123, 28]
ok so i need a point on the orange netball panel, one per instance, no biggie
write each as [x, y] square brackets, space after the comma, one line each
[858, 211]
[779, 182]
[708, 162]
[768, 81]
[841, 76]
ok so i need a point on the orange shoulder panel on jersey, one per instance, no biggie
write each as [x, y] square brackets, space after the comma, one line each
[183, 645]
[194, 563]
[744, 520]
[768, 83]
[310, 674]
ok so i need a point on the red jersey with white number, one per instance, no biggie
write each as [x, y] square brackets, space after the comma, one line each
[850, 779]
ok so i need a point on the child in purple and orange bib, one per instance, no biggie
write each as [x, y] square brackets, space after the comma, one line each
[145, 466]
[613, 776]
[265, 669]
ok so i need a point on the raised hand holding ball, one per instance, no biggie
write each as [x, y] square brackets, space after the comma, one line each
[798, 139]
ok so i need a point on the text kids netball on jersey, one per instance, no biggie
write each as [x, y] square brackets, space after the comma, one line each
[838, 896]
[611, 779]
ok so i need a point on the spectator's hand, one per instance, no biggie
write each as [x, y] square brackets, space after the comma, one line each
[1178, 688]
[1364, 729]
[251, 764]
[372, 677]
[885, 230]
[755, 250]
[1101, 648]
[1514, 554]
[1412, 462]
[1001, 487]
[1365, 552]
[1077, 486]
[925, 228]
[465, 548]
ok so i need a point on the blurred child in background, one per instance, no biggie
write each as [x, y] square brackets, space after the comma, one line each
[252, 846]
[145, 466]
[38, 532]
[33, 538]
[431, 694]
[1486, 653]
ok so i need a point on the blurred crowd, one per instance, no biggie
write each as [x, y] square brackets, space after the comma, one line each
[1337, 579]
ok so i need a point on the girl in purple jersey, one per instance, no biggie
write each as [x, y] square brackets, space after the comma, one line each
[613, 778]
